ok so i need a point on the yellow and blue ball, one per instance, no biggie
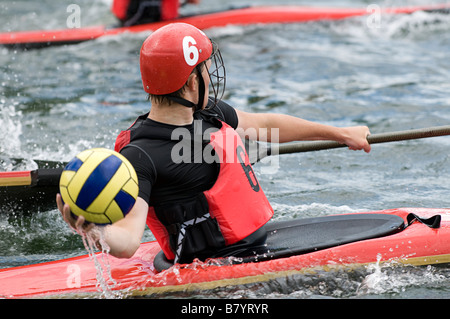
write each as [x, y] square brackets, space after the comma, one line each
[99, 184]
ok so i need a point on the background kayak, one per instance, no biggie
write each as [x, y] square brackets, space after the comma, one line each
[249, 15]
[390, 76]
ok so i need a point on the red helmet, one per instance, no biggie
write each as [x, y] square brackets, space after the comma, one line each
[169, 55]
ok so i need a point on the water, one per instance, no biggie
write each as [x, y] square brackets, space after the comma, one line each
[59, 101]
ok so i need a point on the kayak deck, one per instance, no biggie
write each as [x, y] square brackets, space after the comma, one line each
[418, 244]
[305, 235]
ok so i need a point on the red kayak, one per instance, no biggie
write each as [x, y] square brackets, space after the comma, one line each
[243, 16]
[412, 236]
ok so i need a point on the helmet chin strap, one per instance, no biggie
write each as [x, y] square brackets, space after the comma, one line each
[201, 94]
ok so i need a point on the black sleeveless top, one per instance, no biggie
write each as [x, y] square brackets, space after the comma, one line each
[175, 172]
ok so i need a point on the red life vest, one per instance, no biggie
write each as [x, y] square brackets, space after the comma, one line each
[120, 8]
[169, 9]
[236, 201]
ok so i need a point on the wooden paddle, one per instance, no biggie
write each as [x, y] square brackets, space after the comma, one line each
[39, 187]
[29, 191]
[49, 171]
[300, 147]
[37, 177]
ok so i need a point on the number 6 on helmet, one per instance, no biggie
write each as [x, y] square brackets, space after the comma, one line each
[190, 50]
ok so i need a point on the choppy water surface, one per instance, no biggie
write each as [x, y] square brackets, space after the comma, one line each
[59, 101]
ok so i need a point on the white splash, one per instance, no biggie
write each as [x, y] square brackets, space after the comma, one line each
[392, 278]
[105, 282]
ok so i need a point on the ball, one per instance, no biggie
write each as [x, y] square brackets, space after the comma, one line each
[99, 184]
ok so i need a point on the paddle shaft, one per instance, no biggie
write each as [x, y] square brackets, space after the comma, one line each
[39, 177]
[300, 147]
[50, 176]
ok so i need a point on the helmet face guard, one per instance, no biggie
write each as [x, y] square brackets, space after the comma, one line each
[217, 74]
[217, 80]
